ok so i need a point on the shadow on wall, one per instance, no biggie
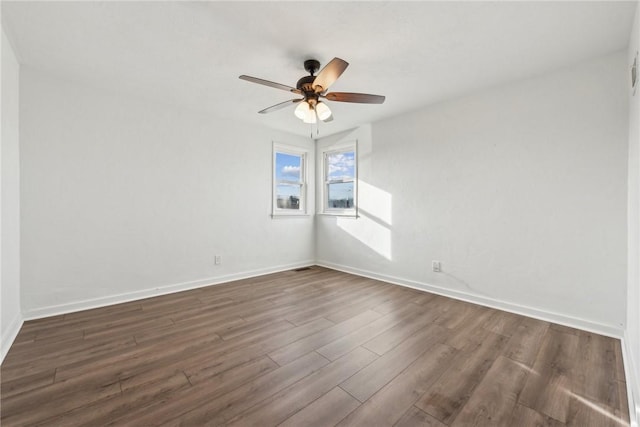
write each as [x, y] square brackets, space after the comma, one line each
[373, 227]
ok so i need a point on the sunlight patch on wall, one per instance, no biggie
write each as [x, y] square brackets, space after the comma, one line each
[369, 232]
[374, 201]
[372, 227]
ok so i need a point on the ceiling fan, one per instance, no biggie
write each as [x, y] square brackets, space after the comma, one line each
[313, 88]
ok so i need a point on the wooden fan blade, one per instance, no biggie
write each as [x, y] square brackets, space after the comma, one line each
[329, 74]
[280, 105]
[361, 98]
[270, 84]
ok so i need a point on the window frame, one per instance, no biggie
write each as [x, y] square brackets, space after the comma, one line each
[291, 150]
[335, 149]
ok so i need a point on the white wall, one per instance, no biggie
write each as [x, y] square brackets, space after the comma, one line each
[121, 196]
[632, 334]
[520, 192]
[10, 318]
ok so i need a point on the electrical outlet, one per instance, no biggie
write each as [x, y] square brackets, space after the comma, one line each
[218, 260]
[436, 266]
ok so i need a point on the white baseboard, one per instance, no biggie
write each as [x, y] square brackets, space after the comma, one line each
[633, 384]
[71, 307]
[573, 322]
[9, 336]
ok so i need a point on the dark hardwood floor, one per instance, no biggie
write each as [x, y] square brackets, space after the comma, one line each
[309, 348]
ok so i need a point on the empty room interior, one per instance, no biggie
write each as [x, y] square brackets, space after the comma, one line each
[320, 213]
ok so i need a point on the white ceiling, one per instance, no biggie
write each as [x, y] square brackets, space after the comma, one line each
[414, 53]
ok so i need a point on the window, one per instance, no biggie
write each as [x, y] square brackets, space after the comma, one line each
[340, 182]
[289, 180]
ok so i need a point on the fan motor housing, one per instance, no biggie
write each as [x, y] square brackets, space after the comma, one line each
[305, 84]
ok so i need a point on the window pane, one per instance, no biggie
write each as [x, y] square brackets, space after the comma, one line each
[340, 165]
[288, 167]
[340, 195]
[288, 196]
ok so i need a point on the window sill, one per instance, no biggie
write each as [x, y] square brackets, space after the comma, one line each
[289, 215]
[339, 215]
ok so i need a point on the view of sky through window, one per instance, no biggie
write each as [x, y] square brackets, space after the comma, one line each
[288, 169]
[340, 176]
[288, 172]
[340, 165]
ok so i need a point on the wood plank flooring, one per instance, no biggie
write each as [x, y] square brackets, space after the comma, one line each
[309, 348]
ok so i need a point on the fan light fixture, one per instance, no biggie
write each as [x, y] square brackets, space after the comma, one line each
[323, 110]
[302, 110]
[305, 112]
